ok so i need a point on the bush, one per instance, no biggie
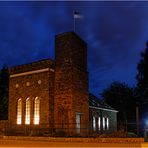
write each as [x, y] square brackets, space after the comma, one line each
[119, 134]
[60, 134]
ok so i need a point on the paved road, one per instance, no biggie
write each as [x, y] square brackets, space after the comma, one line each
[26, 143]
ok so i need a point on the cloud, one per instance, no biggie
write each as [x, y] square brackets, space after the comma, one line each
[115, 33]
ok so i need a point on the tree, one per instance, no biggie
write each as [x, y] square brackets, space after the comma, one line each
[4, 88]
[142, 76]
[120, 96]
[142, 85]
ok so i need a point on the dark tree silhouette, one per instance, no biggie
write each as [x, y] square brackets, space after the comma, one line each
[4, 88]
[142, 76]
[142, 86]
[120, 97]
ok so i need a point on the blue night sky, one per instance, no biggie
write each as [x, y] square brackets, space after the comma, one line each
[115, 32]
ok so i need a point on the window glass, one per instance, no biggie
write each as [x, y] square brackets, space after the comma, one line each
[19, 111]
[94, 123]
[36, 110]
[27, 117]
[99, 123]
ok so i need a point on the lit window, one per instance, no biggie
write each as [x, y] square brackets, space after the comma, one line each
[99, 123]
[27, 117]
[94, 123]
[36, 110]
[103, 123]
[19, 111]
[107, 124]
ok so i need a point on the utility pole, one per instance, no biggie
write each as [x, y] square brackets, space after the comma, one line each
[137, 119]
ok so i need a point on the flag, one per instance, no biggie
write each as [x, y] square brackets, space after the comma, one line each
[77, 15]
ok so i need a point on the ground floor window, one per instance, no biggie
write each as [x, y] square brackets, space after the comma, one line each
[78, 122]
[99, 123]
[107, 123]
[94, 123]
[103, 123]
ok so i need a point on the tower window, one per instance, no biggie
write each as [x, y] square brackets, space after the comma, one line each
[19, 111]
[36, 110]
[27, 117]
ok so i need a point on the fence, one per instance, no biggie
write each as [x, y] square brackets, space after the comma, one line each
[57, 130]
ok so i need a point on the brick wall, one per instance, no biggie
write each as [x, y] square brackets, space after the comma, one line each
[71, 81]
[31, 85]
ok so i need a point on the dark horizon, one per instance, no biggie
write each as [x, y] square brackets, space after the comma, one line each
[115, 32]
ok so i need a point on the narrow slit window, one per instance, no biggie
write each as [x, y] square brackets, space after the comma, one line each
[103, 123]
[94, 123]
[19, 111]
[36, 110]
[99, 123]
[107, 123]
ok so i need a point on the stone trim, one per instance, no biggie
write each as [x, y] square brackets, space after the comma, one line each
[103, 109]
[30, 72]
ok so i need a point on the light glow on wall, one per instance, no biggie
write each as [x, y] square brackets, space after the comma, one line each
[19, 111]
[27, 117]
[36, 110]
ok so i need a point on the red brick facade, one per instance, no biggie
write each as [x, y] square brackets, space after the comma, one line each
[61, 87]
[71, 83]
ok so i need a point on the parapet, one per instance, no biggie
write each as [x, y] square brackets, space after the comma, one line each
[41, 64]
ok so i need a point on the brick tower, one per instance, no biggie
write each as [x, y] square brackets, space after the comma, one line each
[71, 107]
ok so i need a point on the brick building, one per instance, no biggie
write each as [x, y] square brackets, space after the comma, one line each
[52, 96]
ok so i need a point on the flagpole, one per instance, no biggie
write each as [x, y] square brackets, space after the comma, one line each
[76, 15]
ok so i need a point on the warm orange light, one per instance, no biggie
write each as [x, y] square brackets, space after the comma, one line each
[27, 117]
[19, 111]
[36, 111]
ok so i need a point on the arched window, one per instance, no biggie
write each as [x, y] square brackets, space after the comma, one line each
[36, 110]
[27, 113]
[19, 111]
